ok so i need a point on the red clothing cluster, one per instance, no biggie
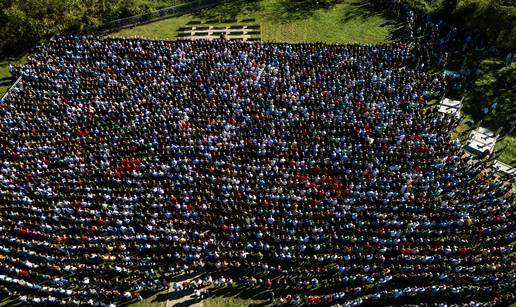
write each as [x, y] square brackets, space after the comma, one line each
[83, 132]
[126, 165]
[75, 203]
[406, 250]
[185, 125]
[25, 231]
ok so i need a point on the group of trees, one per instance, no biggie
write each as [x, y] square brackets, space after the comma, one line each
[494, 19]
[26, 22]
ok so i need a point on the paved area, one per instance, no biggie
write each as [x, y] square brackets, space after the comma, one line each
[482, 140]
[505, 168]
[449, 106]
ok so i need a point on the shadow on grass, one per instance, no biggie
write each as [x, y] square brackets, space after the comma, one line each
[145, 295]
[361, 10]
[7, 82]
[228, 11]
[187, 303]
[503, 118]
[358, 10]
[175, 295]
[12, 303]
[291, 10]
[281, 11]
[242, 292]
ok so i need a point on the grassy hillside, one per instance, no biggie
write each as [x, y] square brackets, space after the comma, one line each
[286, 20]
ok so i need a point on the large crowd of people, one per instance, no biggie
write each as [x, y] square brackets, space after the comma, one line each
[318, 171]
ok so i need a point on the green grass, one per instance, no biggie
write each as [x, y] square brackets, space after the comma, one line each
[508, 144]
[463, 130]
[165, 29]
[5, 76]
[221, 301]
[149, 302]
[158, 4]
[496, 81]
[285, 21]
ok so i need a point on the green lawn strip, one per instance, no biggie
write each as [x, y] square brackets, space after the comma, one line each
[5, 76]
[345, 22]
[507, 144]
[150, 301]
[164, 29]
[221, 301]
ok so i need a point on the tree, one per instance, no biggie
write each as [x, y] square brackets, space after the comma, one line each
[23, 23]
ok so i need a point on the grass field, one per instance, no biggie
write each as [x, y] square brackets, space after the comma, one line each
[285, 20]
[507, 144]
[220, 301]
[5, 76]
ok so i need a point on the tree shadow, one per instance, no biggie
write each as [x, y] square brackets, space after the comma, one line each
[172, 296]
[187, 303]
[9, 301]
[359, 10]
[291, 10]
[228, 10]
[242, 292]
[175, 295]
[6, 82]
[362, 10]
